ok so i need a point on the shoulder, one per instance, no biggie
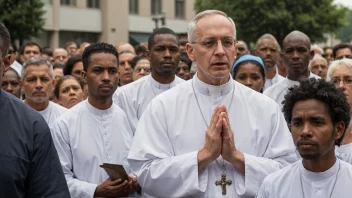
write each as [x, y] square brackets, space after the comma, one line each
[131, 88]
[283, 175]
[58, 107]
[71, 115]
[346, 167]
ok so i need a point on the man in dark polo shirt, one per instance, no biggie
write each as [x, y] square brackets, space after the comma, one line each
[29, 164]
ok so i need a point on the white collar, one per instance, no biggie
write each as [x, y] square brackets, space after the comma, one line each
[96, 111]
[161, 86]
[319, 176]
[211, 90]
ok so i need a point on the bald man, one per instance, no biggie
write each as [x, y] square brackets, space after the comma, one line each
[60, 55]
[296, 54]
[125, 47]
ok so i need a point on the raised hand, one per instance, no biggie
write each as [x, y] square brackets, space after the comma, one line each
[114, 188]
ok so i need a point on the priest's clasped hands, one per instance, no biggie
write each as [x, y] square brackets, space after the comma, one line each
[219, 140]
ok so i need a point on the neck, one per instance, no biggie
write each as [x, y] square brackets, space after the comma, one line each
[270, 72]
[37, 106]
[163, 79]
[100, 103]
[213, 81]
[322, 163]
[296, 77]
[347, 139]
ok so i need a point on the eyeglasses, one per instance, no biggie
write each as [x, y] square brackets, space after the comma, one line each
[212, 44]
[138, 70]
[347, 81]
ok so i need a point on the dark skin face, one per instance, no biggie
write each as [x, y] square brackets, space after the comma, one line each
[102, 79]
[182, 71]
[12, 83]
[4, 63]
[164, 57]
[314, 134]
[296, 54]
[250, 75]
[267, 51]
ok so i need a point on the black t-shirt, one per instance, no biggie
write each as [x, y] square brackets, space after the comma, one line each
[29, 164]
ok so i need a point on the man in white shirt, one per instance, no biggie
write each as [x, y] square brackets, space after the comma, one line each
[96, 131]
[164, 56]
[268, 49]
[38, 83]
[209, 136]
[296, 54]
[318, 115]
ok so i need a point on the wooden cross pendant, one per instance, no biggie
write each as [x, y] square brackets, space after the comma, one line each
[223, 182]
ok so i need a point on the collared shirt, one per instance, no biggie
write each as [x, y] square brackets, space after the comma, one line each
[277, 78]
[29, 164]
[86, 137]
[51, 112]
[135, 97]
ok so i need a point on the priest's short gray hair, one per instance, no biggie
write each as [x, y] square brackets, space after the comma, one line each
[37, 61]
[192, 25]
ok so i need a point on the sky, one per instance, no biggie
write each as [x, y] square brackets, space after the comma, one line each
[347, 3]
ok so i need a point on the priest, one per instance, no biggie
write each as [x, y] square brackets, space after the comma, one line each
[318, 115]
[210, 136]
[164, 56]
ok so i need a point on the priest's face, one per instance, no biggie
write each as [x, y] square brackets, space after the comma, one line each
[213, 48]
[313, 131]
[164, 55]
[38, 83]
[102, 75]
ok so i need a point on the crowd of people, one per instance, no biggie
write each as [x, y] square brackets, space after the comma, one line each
[197, 114]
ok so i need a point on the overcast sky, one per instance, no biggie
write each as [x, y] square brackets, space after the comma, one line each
[347, 3]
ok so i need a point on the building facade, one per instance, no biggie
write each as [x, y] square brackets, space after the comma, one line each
[111, 21]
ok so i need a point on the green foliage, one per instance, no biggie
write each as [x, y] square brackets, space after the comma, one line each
[254, 18]
[346, 33]
[23, 18]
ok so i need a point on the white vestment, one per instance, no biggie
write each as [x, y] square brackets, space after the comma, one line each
[134, 97]
[295, 181]
[172, 130]
[269, 82]
[344, 152]
[52, 112]
[278, 91]
[86, 137]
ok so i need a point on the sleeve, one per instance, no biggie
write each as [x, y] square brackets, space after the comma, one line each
[279, 152]
[127, 105]
[76, 187]
[263, 191]
[159, 172]
[45, 177]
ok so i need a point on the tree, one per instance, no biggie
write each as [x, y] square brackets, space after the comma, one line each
[254, 18]
[346, 33]
[23, 18]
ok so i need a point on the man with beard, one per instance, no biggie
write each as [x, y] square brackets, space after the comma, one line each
[318, 115]
[38, 83]
[267, 48]
[296, 54]
[125, 68]
[95, 131]
[164, 56]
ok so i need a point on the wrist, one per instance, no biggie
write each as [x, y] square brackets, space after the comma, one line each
[237, 159]
[204, 158]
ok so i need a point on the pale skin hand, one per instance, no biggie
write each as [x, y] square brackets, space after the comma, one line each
[220, 134]
[213, 141]
[111, 188]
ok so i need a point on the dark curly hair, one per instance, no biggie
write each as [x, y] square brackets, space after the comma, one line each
[70, 63]
[97, 48]
[321, 90]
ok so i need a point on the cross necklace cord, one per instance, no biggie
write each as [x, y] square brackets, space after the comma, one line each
[332, 190]
[223, 182]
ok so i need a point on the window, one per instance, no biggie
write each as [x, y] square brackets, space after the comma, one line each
[93, 3]
[156, 7]
[133, 6]
[68, 2]
[179, 9]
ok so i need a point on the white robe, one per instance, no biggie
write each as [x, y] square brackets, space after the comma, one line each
[86, 137]
[52, 112]
[171, 131]
[269, 82]
[278, 91]
[294, 180]
[134, 97]
[344, 152]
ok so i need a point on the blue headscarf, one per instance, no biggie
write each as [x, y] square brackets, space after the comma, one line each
[247, 58]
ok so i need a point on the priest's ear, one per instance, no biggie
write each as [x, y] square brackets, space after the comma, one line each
[189, 50]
